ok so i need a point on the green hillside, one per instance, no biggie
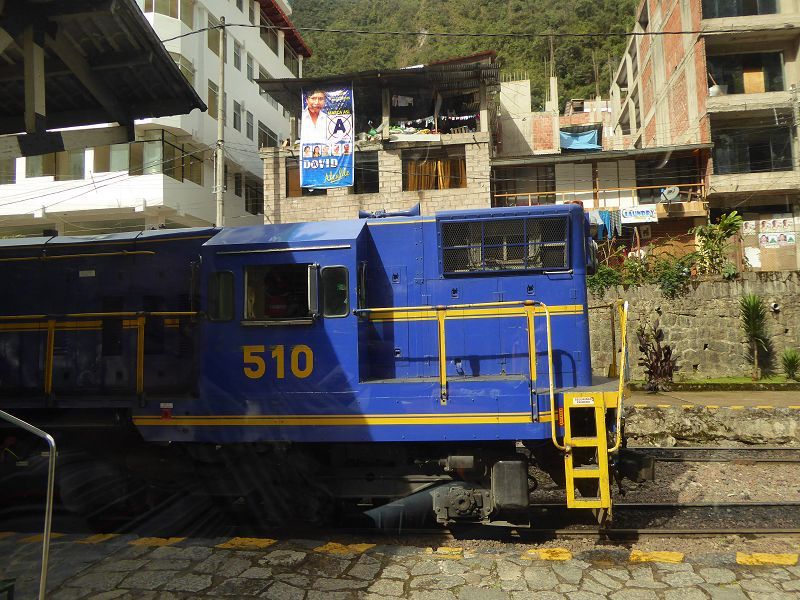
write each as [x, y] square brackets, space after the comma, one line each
[337, 52]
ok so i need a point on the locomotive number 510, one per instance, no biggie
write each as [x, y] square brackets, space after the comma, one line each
[255, 367]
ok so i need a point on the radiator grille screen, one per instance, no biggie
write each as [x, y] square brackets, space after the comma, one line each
[504, 245]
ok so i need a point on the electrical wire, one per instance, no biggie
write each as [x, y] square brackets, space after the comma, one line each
[465, 34]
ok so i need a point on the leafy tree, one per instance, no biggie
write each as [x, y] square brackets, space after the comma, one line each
[713, 241]
[344, 52]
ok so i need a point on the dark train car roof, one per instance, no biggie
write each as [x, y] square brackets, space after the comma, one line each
[289, 233]
[107, 238]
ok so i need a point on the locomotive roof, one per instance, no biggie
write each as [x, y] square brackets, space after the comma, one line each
[288, 233]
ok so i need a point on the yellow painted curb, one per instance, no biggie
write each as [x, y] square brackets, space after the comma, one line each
[335, 548]
[245, 543]
[39, 537]
[640, 405]
[687, 406]
[156, 541]
[765, 406]
[639, 556]
[446, 552]
[794, 407]
[736, 407]
[712, 406]
[663, 405]
[547, 554]
[98, 538]
[760, 558]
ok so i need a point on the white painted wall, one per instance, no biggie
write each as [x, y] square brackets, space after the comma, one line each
[43, 200]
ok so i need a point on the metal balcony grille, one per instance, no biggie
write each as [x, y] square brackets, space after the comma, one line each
[504, 245]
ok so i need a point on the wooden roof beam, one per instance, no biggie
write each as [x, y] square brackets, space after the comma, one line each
[83, 71]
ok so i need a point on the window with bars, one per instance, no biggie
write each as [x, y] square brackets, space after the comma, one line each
[290, 60]
[171, 8]
[268, 34]
[253, 195]
[251, 72]
[213, 100]
[185, 65]
[237, 56]
[483, 246]
[266, 137]
[237, 116]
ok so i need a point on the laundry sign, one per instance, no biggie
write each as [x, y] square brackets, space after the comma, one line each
[639, 214]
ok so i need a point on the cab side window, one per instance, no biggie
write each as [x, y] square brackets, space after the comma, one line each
[335, 295]
[220, 296]
[276, 292]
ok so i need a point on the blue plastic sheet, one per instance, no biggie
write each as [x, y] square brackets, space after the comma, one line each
[585, 140]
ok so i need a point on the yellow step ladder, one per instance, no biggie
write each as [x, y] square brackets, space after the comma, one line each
[585, 414]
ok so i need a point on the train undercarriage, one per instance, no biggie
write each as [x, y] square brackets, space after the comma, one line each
[108, 477]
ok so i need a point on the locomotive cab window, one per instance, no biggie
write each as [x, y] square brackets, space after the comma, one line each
[220, 296]
[278, 292]
[335, 296]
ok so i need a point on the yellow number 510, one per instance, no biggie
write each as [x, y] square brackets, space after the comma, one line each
[255, 367]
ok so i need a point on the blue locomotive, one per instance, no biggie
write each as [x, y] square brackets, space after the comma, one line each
[412, 364]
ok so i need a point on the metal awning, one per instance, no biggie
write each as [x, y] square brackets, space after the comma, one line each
[602, 155]
[93, 61]
[459, 76]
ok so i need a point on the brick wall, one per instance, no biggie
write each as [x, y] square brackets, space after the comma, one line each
[673, 44]
[342, 203]
[701, 75]
[647, 87]
[679, 112]
[650, 133]
[543, 132]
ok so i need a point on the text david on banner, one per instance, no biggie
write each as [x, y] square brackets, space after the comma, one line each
[326, 138]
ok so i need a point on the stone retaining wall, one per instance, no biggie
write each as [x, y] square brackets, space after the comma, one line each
[703, 327]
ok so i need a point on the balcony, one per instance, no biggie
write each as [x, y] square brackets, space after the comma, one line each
[772, 181]
[690, 202]
[729, 103]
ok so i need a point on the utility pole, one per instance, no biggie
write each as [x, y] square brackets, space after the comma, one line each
[220, 155]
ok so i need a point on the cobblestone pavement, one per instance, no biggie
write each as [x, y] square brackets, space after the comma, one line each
[127, 567]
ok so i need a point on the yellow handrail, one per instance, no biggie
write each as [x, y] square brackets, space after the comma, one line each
[140, 324]
[527, 310]
[623, 326]
[128, 313]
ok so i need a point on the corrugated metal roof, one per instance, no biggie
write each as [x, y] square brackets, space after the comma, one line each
[289, 234]
[103, 64]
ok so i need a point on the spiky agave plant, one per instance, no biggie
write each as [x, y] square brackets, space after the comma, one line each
[753, 314]
[791, 363]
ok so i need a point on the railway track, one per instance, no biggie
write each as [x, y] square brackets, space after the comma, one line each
[739, 455]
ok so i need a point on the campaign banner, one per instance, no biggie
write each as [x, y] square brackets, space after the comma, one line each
[326, 138]
[639, 214]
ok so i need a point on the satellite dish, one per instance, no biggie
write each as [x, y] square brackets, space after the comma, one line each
[671, 193]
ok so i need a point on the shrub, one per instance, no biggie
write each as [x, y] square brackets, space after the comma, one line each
[753, 314]
[791, 363]
[657, 360]
[603, 279]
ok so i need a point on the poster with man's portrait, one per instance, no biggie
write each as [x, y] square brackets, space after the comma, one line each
[326, 138]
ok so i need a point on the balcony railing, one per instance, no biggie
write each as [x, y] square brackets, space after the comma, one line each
[601, 198]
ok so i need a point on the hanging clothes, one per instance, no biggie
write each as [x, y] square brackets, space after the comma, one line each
[605, 216]
[594, 219]
[616, 223]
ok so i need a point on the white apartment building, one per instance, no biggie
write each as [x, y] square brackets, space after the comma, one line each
[165, 178]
